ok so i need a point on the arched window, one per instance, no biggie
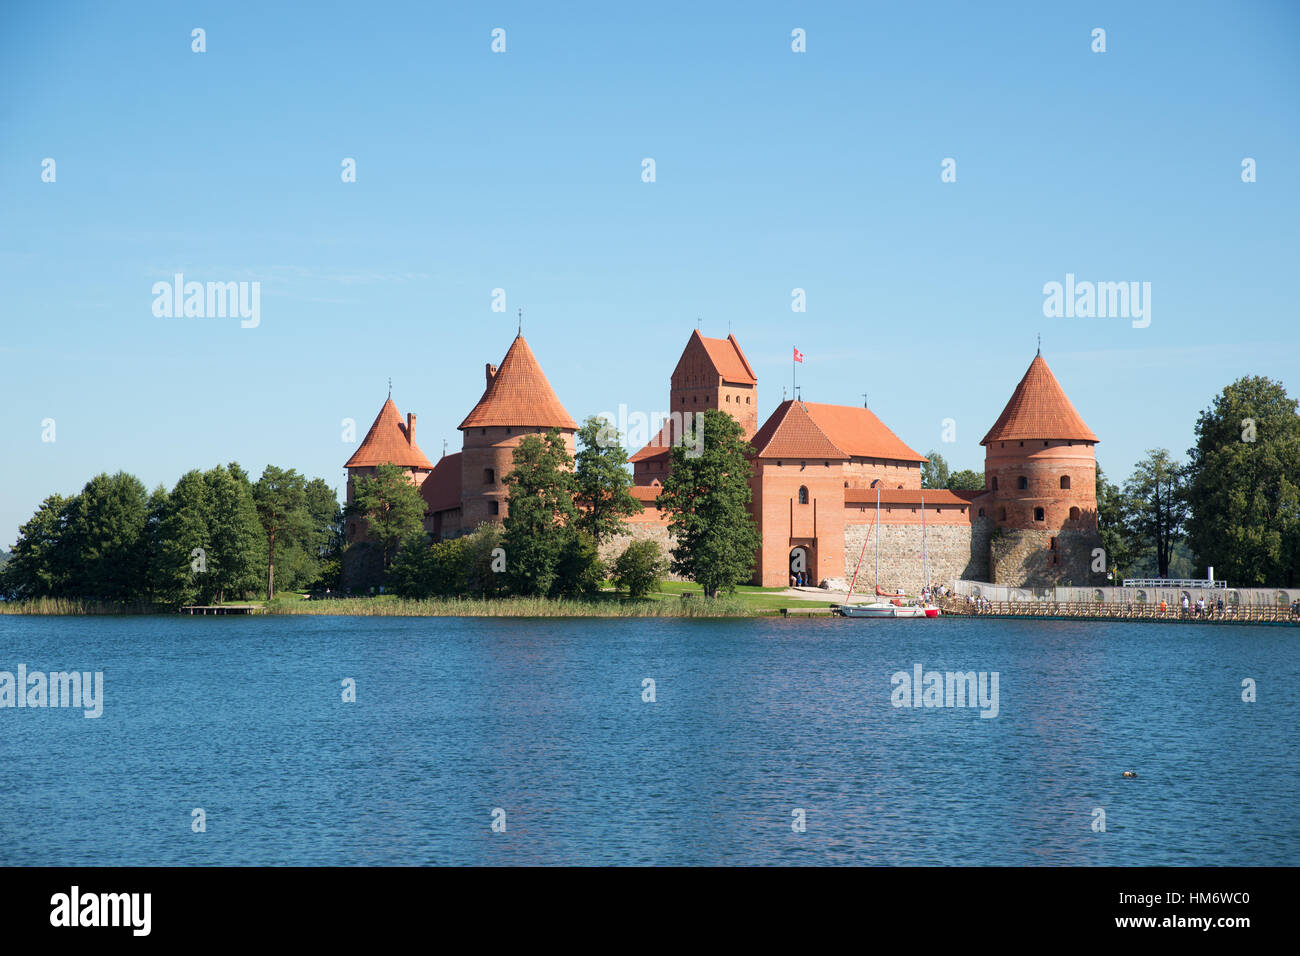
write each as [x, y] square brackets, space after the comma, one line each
[1038, 514]
[1024, 483]
[489, 476]
[1065, 482]
[981, 512]
[995, 484]
[1002, 514]
[1074, 514]
[803, 495]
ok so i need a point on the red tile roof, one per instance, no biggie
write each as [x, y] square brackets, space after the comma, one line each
[660, 445]
[728, 359]
[904, 496]
[388, 443]
[441, 490]
[1039, 409]
[519, 395]
[859, 432]
[790, 432]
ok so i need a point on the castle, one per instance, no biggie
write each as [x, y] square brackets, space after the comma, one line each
[818, 471]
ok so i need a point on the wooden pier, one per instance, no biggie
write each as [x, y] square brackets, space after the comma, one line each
[1061, 611]
[223, 609]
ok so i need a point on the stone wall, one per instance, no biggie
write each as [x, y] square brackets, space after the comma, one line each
[1027, 558]
[952, 551]
[611, 548]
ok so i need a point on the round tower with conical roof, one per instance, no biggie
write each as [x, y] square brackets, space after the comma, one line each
[1040, 474]
[517, 401]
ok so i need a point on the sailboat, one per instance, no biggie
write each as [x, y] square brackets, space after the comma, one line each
[882, 608]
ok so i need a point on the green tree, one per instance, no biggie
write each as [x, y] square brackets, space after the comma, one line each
[934, 471]
[1112, 525]
[185, 543]
[601, 481]
[706, 497]
[235, 540]
[281, 500]
[540, 506]
[37, 566]
[639, 568]
[391, 506]
[966, 480]
[578, 568]
[1155, 507]
[484, 571]
[1243, 485]
[105, 539]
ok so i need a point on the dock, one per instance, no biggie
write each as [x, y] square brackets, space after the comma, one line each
[223, 609]
[1098, 611]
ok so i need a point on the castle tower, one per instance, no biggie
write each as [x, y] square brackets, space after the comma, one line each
[518, 401]
[389, 442]
[1040, 472]
[711, 373]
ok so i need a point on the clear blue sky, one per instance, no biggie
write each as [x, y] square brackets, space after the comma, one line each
[522, 170]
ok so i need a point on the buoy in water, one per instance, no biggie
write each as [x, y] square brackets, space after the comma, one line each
[1130, 773]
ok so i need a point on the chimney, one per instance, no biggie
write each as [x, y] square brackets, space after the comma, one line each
[491, 373]
[410, 428]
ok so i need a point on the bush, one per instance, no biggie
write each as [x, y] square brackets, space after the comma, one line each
[639, 569]
[579, 570]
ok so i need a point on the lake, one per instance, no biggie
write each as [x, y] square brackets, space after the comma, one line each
[752, 721]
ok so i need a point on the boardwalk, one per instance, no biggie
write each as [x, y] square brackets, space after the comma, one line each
[223, 609]
[1052, 610]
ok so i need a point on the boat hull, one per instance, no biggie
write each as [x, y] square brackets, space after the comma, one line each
[885, 610]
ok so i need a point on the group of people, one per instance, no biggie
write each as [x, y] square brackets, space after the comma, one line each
[1201, 608]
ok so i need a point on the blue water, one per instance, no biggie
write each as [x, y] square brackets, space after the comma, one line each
[545, 720]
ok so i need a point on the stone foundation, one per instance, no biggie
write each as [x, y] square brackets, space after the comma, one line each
[952, 551]
[1026, 558]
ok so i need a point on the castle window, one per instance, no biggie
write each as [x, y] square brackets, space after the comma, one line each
[803, 495]
[1052, 543]
[482, 431]
[746, 399]
[1074, 514]
[1038, 514]
[1044, 444]
[995, 484]
[728, 398]
[1024, 482]
[1002, 514]
[981, 512]
[1022, 444]
[1065, 482]
[494, 507]
[489, 476]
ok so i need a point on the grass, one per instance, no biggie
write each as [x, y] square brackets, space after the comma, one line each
[74, 606]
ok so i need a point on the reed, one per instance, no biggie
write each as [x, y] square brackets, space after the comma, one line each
[74, 606]
[694, 607]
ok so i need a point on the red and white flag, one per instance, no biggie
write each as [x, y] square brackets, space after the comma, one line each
[798, 356]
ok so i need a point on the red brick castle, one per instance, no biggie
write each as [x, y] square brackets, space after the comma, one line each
[817, 472]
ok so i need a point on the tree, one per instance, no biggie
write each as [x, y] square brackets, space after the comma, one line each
[934, 471]
[280, 497]
[235, 542]
[37, 566]
[1113, 527]
[601, 481]
[1243, 485]
[181, 572]
[1155, 507]
[966, 480]
[706, 497]
[105, 539]
[392, 507]
[578, 568]
[639, 568]
[540, 505]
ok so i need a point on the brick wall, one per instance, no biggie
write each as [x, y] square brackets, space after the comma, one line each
[1026, 558]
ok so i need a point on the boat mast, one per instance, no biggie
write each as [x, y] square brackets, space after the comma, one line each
[925, 561]
[877, 484]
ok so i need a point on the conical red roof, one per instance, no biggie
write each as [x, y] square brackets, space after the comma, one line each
[1039, 409]
[388, 443]
[519, 395]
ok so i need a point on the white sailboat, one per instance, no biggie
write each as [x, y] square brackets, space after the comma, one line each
[884, 608]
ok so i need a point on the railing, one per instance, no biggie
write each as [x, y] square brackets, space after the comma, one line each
[1231, 614]
[1199, 584]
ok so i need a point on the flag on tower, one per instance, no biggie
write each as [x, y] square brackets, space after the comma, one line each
[798, 356]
